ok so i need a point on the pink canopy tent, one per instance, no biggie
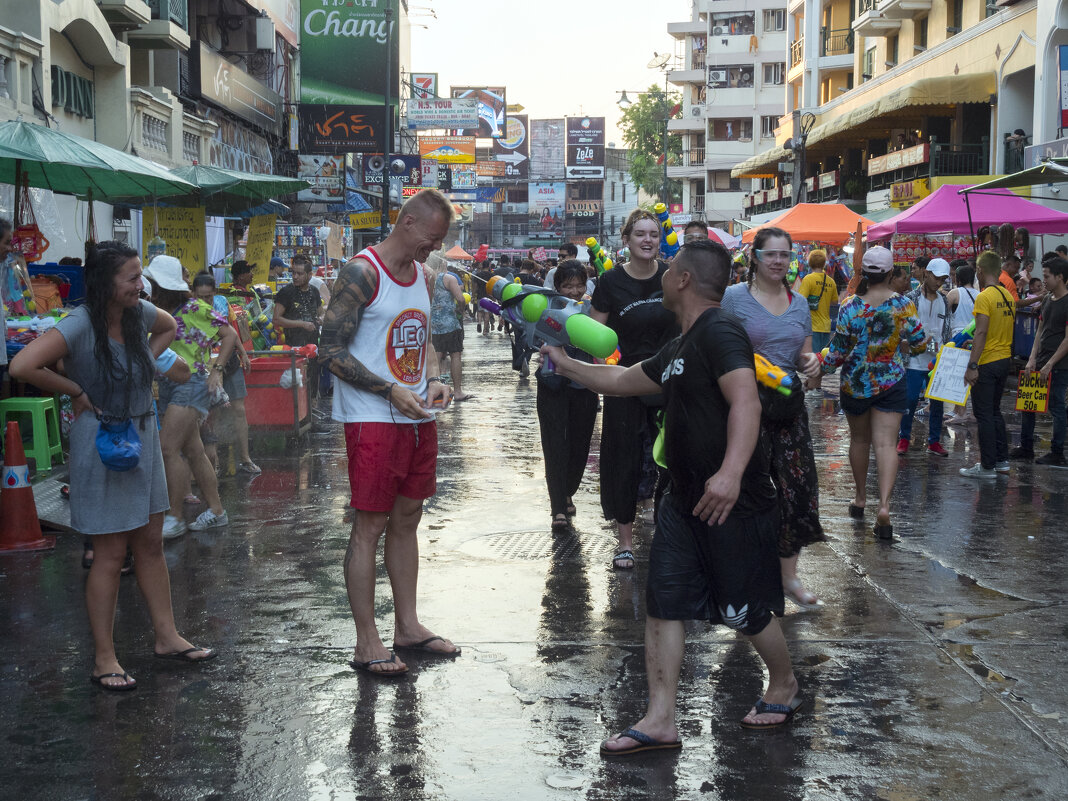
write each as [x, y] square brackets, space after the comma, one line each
[944, 210]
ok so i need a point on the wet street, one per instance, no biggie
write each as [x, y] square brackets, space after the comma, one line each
[935, 671]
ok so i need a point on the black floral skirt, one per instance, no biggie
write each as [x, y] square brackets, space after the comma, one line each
[788, 446]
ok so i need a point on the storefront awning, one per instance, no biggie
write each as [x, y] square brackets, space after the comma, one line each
[946, 90]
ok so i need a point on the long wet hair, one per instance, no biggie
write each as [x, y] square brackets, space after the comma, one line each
[636, 217]
[102, 264]
[761, 238]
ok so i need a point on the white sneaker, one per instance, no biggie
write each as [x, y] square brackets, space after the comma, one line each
[1001, 467]
[208, 519]
[173, 527]
[977, 471]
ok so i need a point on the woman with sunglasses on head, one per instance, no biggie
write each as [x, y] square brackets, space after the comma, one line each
[779, 325]
[629, 300]
[108, 346]
[877, 331]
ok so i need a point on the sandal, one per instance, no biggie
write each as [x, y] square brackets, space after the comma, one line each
[623, 556]
[250, 467]
[856, 512]
[127, 563]
[560, 523]
[571, 510]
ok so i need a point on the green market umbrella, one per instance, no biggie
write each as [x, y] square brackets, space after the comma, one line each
[45, 158]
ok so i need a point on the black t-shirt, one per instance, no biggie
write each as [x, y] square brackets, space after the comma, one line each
[479, 286]
[635, 312]
[529, 279]
[1054, 319]
[695, 417]
[300, 304]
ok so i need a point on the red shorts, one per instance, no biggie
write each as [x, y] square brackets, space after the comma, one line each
[387, 460]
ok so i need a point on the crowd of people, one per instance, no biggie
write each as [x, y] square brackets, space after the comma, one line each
[722, 464]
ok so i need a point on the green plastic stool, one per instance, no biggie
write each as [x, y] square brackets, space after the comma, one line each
[44, 420]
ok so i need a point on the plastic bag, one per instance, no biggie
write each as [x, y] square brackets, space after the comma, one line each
[286, 381]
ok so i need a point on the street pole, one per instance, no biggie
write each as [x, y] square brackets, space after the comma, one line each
[667, 199]
[387, 127]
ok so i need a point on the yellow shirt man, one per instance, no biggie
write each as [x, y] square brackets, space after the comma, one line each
[998, 305]
[822, 286]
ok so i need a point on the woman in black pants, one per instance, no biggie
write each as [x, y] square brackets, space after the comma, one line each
[628, 299]
[566, 414]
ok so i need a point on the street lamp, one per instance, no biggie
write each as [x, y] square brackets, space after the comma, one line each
[387, 126]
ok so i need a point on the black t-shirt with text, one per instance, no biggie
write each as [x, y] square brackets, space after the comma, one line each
[300, 304]
[636, 312]
[695, 418]
[1054, 317]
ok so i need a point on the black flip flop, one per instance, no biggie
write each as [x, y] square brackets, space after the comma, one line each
[623, 555]
[424, 648]
[764, 708]
[884, 532]
[184, 656]
[560, 523]
[115, 688]
[856, 512]
[366, 667]
[645, 743]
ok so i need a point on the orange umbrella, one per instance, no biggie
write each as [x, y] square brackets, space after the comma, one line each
[827, 223]
[457, 253]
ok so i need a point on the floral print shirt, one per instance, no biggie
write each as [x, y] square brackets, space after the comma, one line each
[198, 326]
[867, 344]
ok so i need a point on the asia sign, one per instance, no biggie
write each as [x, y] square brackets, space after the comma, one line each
[545, 209]
[343, 51]
[492, 110]
[514, 149]
[443, 113]
[448, 149]
[585, 147]
[899, 159]
[340, 129]
[230, 87]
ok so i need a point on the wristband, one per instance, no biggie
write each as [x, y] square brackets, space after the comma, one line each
[435, 378]
[973, 366]
[165, 361]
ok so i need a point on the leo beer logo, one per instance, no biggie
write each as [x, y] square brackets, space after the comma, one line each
[406, 346]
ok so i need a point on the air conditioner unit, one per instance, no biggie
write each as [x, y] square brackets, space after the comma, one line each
[695, 111]
[515, 208]
[717, 76]
[717, 31]
[264, 33]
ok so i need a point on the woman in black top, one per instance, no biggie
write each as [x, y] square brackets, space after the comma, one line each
[628, 299]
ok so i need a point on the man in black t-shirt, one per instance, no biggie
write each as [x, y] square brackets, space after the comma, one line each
[298, 309]
[715, 553]
[1049, 356]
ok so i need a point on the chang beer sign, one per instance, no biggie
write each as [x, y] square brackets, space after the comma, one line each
[343, 51]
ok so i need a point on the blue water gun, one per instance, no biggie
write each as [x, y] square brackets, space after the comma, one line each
[669, 240]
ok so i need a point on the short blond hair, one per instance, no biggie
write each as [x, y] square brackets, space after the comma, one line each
[989, 264]
[817, 259]
[427, 202]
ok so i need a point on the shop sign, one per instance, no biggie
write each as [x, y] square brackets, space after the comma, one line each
[448, 149]
[490, 169]
[424, 85]
[234, 147]
[182, 229]
[230, 87]
[828, 179]
[585, 147]
[326, 174]
[343, 51]
[259, 244]
[411, 175]
[492, 110]
[464, 176]
[72, 93]
[585, 208]
[340, 129]
[899, 159]
[455, 112]
[513, 150]
[906, 193]
[366, 219]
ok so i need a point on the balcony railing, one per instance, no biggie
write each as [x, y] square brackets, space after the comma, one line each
[1014, 154]
[697, 61]
[694, 157]
[864, 6]
[697, 203]
[797, 52]
[177, 11]
[949, 159]
[836, 42]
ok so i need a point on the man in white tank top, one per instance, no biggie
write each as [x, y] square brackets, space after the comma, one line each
[376, 340]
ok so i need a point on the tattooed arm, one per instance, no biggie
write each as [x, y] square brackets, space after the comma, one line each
[353, 289]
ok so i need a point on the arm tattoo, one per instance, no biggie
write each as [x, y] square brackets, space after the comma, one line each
[353, 289]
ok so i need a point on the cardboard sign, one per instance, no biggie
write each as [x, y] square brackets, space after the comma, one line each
[948, 382]
[259, 246]
[183, 231]
[1032, 394]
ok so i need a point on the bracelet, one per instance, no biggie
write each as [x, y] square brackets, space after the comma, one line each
[435, 378]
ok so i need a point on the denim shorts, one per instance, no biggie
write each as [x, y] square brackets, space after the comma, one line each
[193, 393]
[892, 401]
[234, 384]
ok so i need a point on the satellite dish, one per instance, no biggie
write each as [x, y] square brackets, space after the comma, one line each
[658, 61]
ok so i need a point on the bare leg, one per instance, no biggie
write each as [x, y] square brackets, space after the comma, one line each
[101, 595]
[367, 528]
[241, 430]
[455, 360]
[791, 582]
[625, 533]
[782, 685]
[402, 565]
[859, 453]
[176, 421]
[184, 434]
[884, 427]
[664, 642]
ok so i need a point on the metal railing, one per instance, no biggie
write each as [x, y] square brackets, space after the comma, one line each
[177, 11]
[1014, 154]
[797, 51]
[836, 41]
[697, 203]
[697, 61]
[694, 157]
[864, 6]
[947, 159]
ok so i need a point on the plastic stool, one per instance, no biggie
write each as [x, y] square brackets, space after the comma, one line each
[44, 420]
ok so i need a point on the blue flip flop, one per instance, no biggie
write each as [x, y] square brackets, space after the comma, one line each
[389, 674]
[645, 743]
[764, 708]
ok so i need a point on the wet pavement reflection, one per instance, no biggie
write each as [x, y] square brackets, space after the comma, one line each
[934, 671]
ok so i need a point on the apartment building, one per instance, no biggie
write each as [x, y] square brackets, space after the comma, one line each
[732, 77]
[888, 99]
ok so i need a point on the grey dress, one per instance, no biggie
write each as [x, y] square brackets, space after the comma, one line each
[103, 501]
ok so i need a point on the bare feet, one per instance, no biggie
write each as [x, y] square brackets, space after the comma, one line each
[775, 695]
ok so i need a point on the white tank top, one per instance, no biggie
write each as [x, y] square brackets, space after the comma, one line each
[962, 315]
[391, 341]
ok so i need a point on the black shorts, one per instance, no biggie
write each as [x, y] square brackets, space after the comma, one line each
[725, 573]
[451, 342]
[891, 401]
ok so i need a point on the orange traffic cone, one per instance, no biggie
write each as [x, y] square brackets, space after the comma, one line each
[20, 530]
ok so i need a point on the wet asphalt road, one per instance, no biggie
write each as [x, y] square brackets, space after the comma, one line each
[934, 672]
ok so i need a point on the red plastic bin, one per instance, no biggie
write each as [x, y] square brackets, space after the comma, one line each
[269, 405]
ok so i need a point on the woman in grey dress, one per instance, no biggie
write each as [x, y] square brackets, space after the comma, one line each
[108, 347]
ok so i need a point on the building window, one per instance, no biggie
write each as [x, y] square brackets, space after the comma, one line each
[891, 52]
[768, 126]
[613, 182]
[774, 19]
[868, 67]
[921, 34]
[722, 182]
[954, 17]
[624, 185]
[775, 74]
[991, 9]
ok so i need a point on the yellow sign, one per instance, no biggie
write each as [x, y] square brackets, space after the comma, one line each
[1032, 394]
[259, 245]
[365, 219]
[908, 193]
[181, 229]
